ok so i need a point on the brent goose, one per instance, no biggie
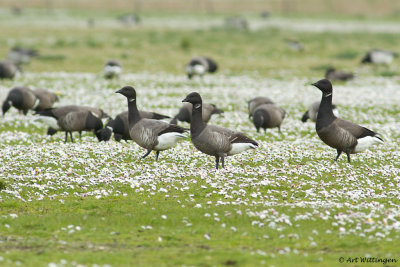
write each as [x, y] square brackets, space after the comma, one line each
[335, 75]
[7, 70]
[112, 69]
[148, 133]
[78, 121]
[21, 55]
[185, 113]
[22, 98]
[343, 135]
[120, 126]
[268, 116]
[52, 116]
[200, 66]
[214, 140]
[252, 104]
[46, 99]
[312, 112]
[377, 56]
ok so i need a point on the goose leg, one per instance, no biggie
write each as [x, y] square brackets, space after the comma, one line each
[339, 152]
[70, 135]
[157, 154]
[348, 156]
[66, 137]
[223, 162]
[147, 153]
[216, 162]
[80, 134]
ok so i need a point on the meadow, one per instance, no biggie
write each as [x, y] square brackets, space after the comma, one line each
[284, 204]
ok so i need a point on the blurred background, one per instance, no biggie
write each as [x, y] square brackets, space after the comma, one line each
[263, 37]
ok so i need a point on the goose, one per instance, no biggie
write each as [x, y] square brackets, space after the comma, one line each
[214, 140]
[46, 99]
[112, 68]
[21, 55]
[185, 113]
[148, 133]
[8, 70]
[52, 116]
[268, 116]
[120, 126]
[78, 121]
[377, 56]
[312, 112]
[252, 104]
[22, 98]
[335, 75]
[200, 66]
[340, 134]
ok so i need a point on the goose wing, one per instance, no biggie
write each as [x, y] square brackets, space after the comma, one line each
[356, 130]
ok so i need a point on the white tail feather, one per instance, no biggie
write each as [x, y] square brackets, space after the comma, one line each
[366, 142]
[168, 140]
[240, 147]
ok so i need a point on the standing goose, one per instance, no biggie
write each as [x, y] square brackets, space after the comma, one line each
[200, 66]
[185, 113]
[268, 116]
[7, 70]
[46, 99]
[214, 140]
[343, 135]
[120, 126]
[336, 75]
[22, 98]
[52, 116]
[252, 104]
[148, 133]
[78, 121]
[312, 112]
[378, 56]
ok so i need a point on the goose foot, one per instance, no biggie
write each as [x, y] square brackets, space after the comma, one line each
[216, 162]
[157, 154]
[147, 153]
[339, 152]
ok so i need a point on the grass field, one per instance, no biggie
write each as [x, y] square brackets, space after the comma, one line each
[284, 204]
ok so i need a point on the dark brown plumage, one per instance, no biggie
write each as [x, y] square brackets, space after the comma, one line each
[336, 75]
[185, 113]
[268, 116]
[340, 134]
[22, 98]
[252, 104]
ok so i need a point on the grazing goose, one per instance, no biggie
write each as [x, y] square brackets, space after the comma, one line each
[185, 113]
[7, 70]
[78, 121]
[120, 126]
[336, 75]
[214, 140]
[252, 104]
[112, 68]
[52, 116]
[148, 133]
[268, 116]
[343, 135]
[312, 112]
[200, 65]
[46, 99]
[22, 98]
[379, 57]
[21, 55]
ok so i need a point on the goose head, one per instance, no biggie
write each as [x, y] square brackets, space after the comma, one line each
[129, 92]
[325, 86]
[194, 98]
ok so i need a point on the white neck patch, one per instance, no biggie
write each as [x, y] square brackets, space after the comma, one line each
[131, 99]
[36, 103]
[109, 127]
[328, 94]
[94, 114]
[197, 106]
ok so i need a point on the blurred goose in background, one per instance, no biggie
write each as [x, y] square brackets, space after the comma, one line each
[112, 69]
[268, 116]
[312, 112]
[185, 113]
[120, 126]
[335, 75]
[8, 70]
[200, 66]
[46, 99]
[379, 57]
[340, 134]
[52, 116]
[214, 140]
[22, 98]
[148, 133]
[252, 104]
[21, 55]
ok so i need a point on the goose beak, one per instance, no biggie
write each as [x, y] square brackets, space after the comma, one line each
[185, 100]
[119, 91]
[315, 84]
